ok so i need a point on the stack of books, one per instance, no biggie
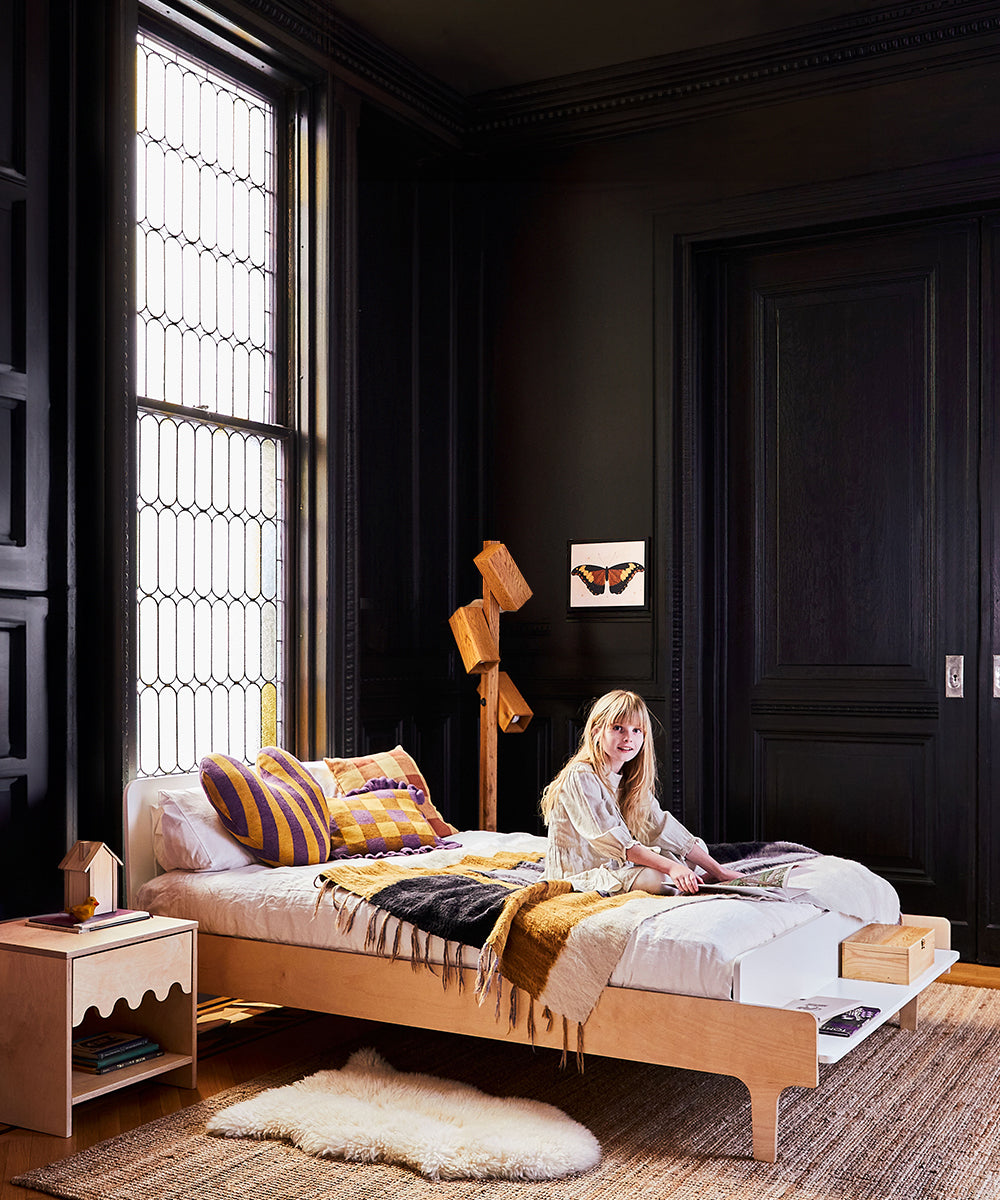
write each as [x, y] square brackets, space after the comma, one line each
[110, 1051]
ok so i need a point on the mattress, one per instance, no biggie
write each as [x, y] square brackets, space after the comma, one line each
[691, 950]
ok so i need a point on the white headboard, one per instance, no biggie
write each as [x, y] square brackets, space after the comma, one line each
[137, 823]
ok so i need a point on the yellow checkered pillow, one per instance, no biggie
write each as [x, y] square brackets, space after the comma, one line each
[383, 820]
[395, 765]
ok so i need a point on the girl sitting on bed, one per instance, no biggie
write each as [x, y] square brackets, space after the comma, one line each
[606, 830]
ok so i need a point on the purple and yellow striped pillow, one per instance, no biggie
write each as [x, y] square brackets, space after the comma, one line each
[278, 810]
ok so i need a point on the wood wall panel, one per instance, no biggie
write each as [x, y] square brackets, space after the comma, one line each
[6, 284]
[868, 597]
[428, 737]
[822, 789]
[12, 106]
[12, 695]
[24, 717]
[12, 457]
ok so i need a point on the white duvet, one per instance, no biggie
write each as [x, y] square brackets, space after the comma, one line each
[691, 950]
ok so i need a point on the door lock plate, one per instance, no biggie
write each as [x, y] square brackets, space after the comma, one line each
[954, 676]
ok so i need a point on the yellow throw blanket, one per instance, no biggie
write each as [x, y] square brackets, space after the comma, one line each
[558, 946]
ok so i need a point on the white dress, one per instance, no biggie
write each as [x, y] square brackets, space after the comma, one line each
[589, 840]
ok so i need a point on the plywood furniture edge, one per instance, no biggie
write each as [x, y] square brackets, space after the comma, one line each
[940, 925]
[768, 1049]
[53, 985]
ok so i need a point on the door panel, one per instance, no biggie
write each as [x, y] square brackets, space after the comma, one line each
[25, 704]
[850, 454]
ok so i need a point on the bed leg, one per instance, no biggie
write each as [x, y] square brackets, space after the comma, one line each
[764, 1120]
[908, 1014]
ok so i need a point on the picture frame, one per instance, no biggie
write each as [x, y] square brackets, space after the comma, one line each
[608, 578]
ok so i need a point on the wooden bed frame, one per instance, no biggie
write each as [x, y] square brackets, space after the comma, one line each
[766, 1046]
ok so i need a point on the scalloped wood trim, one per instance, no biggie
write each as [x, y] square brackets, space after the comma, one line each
[129, 972]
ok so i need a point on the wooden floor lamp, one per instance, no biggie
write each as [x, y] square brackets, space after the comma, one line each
[476, 629]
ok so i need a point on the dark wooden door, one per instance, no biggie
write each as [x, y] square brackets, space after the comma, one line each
[31, 836]
[849, 539]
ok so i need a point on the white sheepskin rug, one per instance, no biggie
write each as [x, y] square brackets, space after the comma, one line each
[370, 1112]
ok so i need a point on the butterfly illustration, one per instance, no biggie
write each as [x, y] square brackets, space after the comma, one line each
[617, 578]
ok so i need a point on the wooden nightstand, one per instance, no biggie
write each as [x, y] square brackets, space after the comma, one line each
[55, 986]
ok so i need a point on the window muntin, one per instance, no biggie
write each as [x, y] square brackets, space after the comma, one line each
[211, 530]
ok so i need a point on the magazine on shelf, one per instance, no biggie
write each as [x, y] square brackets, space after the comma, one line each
[824, 1008]
[63, 921]
[836, 1015]
[848, 1023]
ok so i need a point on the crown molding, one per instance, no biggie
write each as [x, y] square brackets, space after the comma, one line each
[900, 40]
[369, 65]
[879, 46]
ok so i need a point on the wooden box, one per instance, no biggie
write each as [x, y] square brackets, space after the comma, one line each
[475, 641]
[513, 713]
[502, 576]
[887, 953]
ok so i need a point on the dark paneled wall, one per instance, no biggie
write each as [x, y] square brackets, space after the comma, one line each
[592, 355]
[421, 487]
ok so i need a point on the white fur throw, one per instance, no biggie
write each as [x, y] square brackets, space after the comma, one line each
[370, 1112]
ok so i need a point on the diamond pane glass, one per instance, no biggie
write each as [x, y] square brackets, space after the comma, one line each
[199, 627]
[205, 244]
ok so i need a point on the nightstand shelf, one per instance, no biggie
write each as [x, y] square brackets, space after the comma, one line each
[86, 1087]
[54, 986]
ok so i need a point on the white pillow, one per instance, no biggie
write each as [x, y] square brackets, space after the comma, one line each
[323, 776]
[188, 835]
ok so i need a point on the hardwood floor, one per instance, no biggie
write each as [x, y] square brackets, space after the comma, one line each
[107, 1116]
[972, 975]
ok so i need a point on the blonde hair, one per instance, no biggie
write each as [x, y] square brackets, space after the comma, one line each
[638, 775]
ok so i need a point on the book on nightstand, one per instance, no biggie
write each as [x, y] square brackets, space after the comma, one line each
[111, 1042]
[98, 1053]
[116, 1063]
[63, 921]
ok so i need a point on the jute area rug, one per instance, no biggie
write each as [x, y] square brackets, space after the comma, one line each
[907, 1116]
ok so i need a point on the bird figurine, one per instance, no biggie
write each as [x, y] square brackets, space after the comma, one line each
[84, 911]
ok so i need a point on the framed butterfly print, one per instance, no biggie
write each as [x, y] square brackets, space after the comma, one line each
[608, 578]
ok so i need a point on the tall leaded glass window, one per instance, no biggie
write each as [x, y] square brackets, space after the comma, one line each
[211, 533]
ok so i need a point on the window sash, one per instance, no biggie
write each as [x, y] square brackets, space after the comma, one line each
[213, 471]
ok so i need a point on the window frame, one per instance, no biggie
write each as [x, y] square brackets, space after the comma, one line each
[298, 92]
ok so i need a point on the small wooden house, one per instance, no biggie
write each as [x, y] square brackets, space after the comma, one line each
[91, 869]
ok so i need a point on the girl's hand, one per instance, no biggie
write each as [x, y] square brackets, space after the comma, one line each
[722, 875]
[683, 878]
